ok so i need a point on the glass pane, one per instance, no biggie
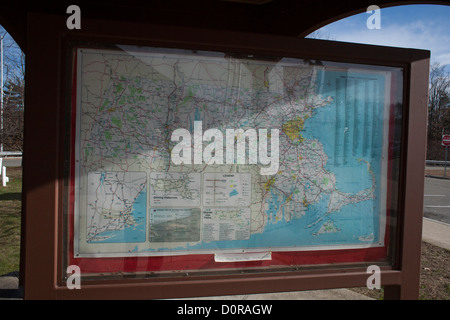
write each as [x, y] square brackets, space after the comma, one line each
[190, 160]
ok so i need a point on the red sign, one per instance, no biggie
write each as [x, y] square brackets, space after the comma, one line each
[446, 140]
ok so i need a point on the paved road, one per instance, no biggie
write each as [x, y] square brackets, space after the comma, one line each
[437, 199]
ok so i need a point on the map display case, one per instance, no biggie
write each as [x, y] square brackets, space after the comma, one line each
[185, 162]
[190, 161]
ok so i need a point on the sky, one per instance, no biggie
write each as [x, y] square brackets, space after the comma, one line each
[411, 26]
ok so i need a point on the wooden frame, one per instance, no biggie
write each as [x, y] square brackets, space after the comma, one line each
[46, 127]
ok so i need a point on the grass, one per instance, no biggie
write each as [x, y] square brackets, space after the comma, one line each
[435, 261]
[438, 171]
[434, 275]
[10, 211]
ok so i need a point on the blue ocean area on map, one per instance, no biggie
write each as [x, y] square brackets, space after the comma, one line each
[353, 175]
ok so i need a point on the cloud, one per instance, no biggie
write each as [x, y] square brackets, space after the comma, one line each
[420, 34]
[443, 59]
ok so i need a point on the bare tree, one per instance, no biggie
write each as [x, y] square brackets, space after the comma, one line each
[12, 136]
[438, 109]
[321, 35]
[13, 98]
[439, 92]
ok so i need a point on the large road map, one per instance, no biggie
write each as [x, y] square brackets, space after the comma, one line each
[328, 188]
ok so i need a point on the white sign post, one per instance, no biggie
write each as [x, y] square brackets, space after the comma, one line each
[5, 179]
